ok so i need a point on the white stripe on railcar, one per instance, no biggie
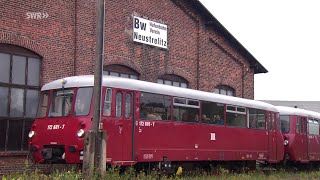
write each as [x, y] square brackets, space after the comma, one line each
[283, 110]
[124, 83]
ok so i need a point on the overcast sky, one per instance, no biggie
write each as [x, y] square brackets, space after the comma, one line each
[284, 36]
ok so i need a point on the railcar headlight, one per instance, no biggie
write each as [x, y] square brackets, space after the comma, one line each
[80, 133]
[31, 134]
[286, 142]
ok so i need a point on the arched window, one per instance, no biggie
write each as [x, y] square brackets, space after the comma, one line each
[173, 80]
[225, 90]
[19, 94]
[120, 71]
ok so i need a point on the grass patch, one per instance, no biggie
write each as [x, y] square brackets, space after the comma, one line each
[114, 173]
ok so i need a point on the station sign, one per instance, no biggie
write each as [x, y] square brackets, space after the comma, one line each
[150, 32]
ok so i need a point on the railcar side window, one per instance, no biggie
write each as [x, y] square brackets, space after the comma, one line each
[298, 125]
[261, 119]
[313, 126]
[236, 116]
[43, 104]
[257, 119]
[186, 110]
[155, 107]
[271, 121]
[83, 101]
[180, 101]
[303, 125]
[128, 106]
[119, 104]
[61, 103]
[193, 103]
[317, 125]
[285, 123]
[277, 116]
[212, 113]
[107, 103]
[252, 118]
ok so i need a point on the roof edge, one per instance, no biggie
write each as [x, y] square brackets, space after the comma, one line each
[254, 63]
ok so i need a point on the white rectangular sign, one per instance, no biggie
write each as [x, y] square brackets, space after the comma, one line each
[150, 32]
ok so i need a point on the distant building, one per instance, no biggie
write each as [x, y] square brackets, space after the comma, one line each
[308, 105]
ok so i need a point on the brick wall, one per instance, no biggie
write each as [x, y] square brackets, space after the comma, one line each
[65, 40]
[52, 37]
[191, 44]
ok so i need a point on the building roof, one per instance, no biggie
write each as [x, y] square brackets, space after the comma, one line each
[211, 20]
[308, 105]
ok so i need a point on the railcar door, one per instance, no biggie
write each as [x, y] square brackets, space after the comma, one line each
[127, 125]
[301, 139]
[279, 138]
[272, 137]
[118, 107]
[313, 139]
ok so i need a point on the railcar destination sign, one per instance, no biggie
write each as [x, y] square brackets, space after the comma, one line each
[149, 32]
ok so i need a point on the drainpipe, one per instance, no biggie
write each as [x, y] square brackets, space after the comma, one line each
[244, 73]
[75, 37]
[198, 57]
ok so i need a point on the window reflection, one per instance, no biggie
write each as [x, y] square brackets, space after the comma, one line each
[4, 101]
[18, 70]
[119, 105]
[19, 94]
[32, 98]
[225, 90]
[128, 106]
[16, 106]
[154, 106]
[107, 103]
[173, 80]
[33, 72]
[212, 113]
[43, 104]
[4, 67]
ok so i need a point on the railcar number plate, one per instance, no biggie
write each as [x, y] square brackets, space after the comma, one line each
[145, 124]
[148, 156]
[55, 126]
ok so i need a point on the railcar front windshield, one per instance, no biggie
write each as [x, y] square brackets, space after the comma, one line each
[285, 123]
[61, 103]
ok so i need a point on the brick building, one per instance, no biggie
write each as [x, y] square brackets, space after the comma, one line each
[45, 40]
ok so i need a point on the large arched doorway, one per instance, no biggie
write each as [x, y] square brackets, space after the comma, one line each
[173, 80]
[120, 71]
[19, 93]
[225, 90]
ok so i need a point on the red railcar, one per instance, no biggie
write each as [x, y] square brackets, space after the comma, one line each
[148, 122]
[300, 129]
